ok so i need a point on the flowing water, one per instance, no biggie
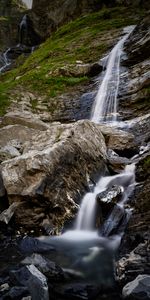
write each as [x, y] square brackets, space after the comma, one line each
[5, 60]
[105, 105]
[87, 249]
[28, 3]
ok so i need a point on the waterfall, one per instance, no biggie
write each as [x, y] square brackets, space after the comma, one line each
[86, 215]
[23, 30]
[5, 60]
[28, 3]
[105, 105]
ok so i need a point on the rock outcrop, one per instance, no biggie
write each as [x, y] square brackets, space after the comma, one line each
[135, 82]
[51, 174]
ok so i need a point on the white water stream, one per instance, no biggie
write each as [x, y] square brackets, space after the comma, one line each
[105, 105]
[86, 216]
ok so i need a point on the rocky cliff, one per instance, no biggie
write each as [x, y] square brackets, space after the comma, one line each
[47, 16]
[11, 13]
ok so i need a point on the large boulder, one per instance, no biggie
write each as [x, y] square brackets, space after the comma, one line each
[138, 288]
[53, 172]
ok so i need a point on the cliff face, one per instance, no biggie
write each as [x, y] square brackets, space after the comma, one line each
[48, 15]
[10, 15]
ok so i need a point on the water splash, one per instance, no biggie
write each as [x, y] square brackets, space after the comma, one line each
[105, 105]
[86, 215]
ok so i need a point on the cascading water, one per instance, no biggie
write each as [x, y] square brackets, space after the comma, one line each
[23, 30]
[105, 106]
[28, 3]
[5, 61]
[86, 216]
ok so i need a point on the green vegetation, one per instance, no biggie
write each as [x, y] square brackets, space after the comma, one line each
[87, 39]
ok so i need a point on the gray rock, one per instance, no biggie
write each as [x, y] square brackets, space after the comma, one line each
[4, 287]
[7, 214]
[54, 171]
[134, 263]
[48, 268]
[34, 280]
[16, 292]
[138, 288]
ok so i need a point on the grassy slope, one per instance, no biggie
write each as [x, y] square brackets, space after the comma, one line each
[83, 39]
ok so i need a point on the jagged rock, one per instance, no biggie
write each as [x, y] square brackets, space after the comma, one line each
[134, 263]
[122, 142]
[47, 267]
[134, 92]
[34, 280]
[138, 288]
[114, 221]
[107, 200]
[110, 195]
[54, 173]
[138, 43]
[141, 128]
[133, 97]
[7, 214]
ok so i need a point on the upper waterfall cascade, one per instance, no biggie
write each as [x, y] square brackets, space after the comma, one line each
[28, 3]
[105, 105]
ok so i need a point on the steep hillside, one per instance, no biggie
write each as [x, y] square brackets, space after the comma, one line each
[39, 81]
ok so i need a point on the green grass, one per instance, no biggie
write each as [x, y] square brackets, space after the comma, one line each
[86, 39]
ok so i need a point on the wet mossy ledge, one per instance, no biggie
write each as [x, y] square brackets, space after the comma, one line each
[86, 39]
